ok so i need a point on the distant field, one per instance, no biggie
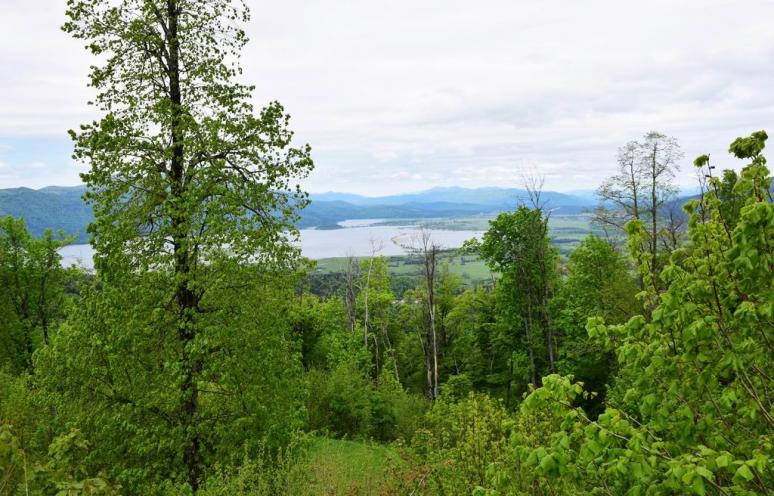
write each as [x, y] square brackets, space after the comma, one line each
[468, 267]
[580, 222]
[566, 231]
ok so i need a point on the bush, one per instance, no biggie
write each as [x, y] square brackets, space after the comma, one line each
[63, 471]
[460, 440]
[262, 475]
[340, 401]
[346, 403]
[396, 413]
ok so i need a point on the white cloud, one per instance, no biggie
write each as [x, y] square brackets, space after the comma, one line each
[408, 94]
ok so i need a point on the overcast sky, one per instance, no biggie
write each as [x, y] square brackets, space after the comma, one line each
[403, 95]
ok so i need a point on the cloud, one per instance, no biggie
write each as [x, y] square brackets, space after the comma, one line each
[405, 95]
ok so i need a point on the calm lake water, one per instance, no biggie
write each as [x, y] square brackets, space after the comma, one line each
[354, 239]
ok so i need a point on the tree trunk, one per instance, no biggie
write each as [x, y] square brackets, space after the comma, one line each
[435, 351]
[365, 301]
[185, 297]
[544, 304]
[430, 280]
[653, 212]
[429, 252]
[530, 347]
[350, 298]
[635, 187]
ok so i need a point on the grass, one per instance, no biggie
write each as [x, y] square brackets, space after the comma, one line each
[347, 468]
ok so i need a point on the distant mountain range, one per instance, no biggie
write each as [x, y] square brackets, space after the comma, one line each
[498, 197]
[62, 208]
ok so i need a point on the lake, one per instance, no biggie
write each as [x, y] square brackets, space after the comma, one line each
[355, 239]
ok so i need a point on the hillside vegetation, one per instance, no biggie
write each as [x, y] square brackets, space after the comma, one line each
[201, 358]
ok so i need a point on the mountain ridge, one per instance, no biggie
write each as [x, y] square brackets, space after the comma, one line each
[62, 208]
[489, 195]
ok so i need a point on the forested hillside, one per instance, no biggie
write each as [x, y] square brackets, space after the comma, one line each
[61, 208]
[53, 207]
[197, 359]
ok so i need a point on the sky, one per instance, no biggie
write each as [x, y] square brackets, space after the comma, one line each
[406, 95]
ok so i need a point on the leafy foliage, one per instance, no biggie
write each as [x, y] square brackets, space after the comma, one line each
[459, 442]
[694, 416]
[599, 283]
[34, 298]
[196, 361]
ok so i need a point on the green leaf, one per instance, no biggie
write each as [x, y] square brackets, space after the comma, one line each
[744, 473]
[723, 461]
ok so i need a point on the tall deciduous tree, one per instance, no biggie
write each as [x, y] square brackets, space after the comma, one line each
[660, 156]
[186, 180]
[599, 283]
[517, 246]
[642, 189]
[375, 298]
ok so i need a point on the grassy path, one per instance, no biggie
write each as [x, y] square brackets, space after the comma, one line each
[347, 468]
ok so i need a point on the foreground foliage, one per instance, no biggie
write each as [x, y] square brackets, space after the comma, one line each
[691, 408]
[197, 361]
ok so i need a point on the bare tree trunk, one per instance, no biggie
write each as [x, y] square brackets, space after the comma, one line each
[430, 283]
[350, 298]
[365, 301]
[435, 349]
[635, 188]
[653, 211]
[534, 186]
[635, 176]
[429, 252]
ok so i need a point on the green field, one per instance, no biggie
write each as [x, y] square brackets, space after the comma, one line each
[468, 267]
[580, 222]
[566, 231]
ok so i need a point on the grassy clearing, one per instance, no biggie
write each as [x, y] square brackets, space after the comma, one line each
[347, 468]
